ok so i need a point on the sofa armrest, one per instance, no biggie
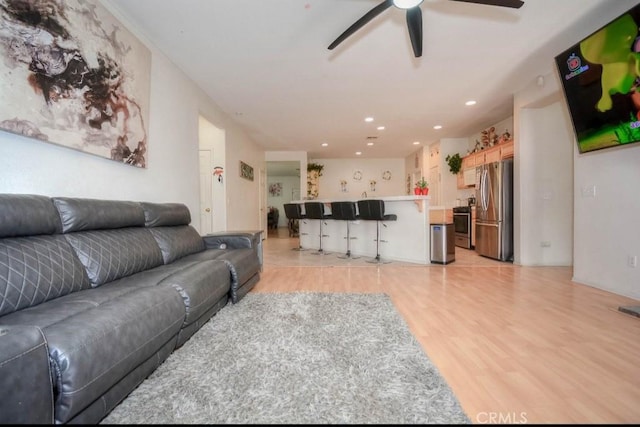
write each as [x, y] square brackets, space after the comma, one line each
[26, 391]
[235, 240]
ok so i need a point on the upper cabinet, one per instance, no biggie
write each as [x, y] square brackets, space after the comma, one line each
[466, 177]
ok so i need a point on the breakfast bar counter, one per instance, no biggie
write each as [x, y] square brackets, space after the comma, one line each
[405, 239]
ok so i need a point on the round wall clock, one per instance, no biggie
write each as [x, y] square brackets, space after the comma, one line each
[386, 175]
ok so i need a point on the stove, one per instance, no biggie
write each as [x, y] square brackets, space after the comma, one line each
[462, 226]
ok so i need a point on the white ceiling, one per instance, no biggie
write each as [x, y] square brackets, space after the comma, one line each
[266, 64]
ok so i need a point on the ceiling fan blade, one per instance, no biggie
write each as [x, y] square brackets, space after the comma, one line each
[516, 4]
[362, 21]
[414, 25]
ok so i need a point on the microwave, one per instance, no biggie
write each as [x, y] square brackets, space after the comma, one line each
[469, 177]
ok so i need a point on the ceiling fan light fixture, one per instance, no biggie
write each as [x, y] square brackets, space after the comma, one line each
[406, 4]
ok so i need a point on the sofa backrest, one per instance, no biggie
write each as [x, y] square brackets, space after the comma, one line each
[108, 236]
[36, 264]
[169, 225]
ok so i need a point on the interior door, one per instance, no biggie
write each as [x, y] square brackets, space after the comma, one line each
[206, 193]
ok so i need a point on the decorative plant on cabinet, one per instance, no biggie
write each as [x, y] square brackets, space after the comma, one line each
[314, 172]
[422, 188]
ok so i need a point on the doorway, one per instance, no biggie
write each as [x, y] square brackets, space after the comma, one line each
[283, 186]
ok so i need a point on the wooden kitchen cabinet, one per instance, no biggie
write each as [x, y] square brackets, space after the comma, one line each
[506, 149]
[492, 154]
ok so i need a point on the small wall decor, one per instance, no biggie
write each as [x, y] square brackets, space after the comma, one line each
[71, 74]
[218, 171]
[246, 171]
[275, 189]
[386, 175]
[343, 185]
[314, 172]
[357, 175]
[372, 184]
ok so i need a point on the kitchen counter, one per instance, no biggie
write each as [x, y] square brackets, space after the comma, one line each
[406, 239]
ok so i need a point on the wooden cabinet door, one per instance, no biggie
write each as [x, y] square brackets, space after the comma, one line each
[460, 179]
[506, 150]
[492, 155]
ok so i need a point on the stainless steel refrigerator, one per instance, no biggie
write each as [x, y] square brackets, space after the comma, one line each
[494, 210]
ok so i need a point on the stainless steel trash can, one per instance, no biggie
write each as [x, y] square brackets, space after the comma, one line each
[443, 243]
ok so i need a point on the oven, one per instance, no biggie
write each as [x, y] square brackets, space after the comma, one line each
[462, 226]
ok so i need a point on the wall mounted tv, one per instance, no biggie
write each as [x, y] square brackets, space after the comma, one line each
[601, 80]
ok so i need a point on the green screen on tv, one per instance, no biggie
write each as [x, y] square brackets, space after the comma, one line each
[601, 80]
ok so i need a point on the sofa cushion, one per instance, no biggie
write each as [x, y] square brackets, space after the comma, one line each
[165, 214]
[108, 255]
[177, 242]
[37, 269]
[27, 215]
[93, 214]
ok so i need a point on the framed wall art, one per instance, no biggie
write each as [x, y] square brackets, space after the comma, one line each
[72, 75]
[275, 189]
[246, 171]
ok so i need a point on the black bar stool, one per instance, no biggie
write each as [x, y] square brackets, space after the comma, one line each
[373, 210]
[293, 212]
[345, 211]
[315, 210]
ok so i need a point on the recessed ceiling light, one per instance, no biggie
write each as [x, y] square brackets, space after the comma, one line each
[358, 153]
[436, 127]
[369, 143]
[416, 143]
[324, 144]
[471, 102]
[368, 119]
[380, 127]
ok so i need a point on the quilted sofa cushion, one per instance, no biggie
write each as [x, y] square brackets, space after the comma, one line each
[37, 269]
[177, 242]
[108, 255]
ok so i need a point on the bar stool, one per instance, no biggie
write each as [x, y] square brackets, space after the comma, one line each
[293, 212]
[315, 210]
[373, 210]
[345, 211]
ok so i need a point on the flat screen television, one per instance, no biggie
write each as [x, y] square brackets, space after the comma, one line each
[601, 81]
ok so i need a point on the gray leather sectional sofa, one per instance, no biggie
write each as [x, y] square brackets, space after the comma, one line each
[96, 294]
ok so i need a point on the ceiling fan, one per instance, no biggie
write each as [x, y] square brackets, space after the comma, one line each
[414, 18]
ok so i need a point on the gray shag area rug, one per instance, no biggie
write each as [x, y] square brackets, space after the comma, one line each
[297, 358]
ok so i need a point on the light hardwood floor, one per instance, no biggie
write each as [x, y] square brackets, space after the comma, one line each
[515, 344]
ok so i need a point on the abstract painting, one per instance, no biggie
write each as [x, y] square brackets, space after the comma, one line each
[72, 75]
[275, 189]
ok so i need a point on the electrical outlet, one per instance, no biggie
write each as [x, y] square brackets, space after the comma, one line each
[589, 191]
[632, 261]
[545, 244]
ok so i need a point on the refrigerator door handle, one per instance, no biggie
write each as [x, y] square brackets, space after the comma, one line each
[485, 190]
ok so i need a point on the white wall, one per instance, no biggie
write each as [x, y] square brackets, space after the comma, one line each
[545, 168]
[336, 170]
[604, 232]
[32, 166]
